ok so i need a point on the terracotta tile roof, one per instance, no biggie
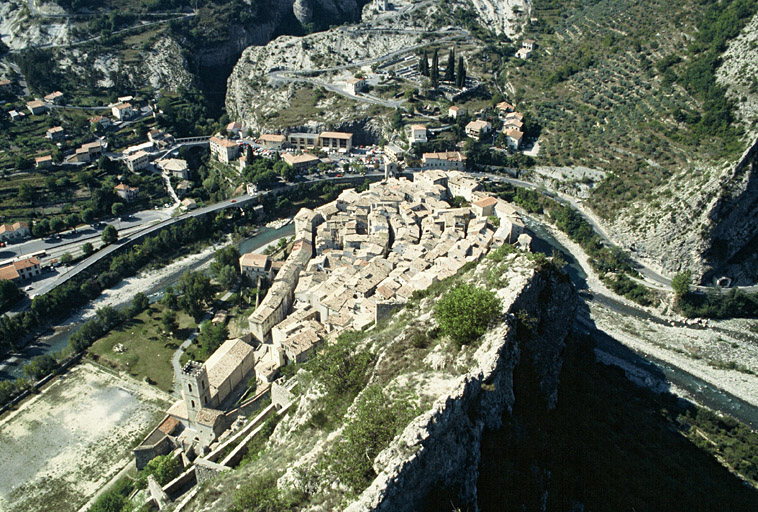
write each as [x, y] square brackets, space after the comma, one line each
[336, 135]
[487, 201]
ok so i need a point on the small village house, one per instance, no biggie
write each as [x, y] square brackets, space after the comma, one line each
[256, 265]
[123, 111]
[355, 85]
[336, 141]
[36, 107]
[298, 162]
[127, 193]
[55, 133]
[418, 134]
[455, 112]
[14, 232]
[54, 97]
[478, 129]
[43, 162]
[446, 160]
[272, 141]
[224, 150]
[137, 161]
[21, 270]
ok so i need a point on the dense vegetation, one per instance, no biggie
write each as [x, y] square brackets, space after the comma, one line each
[465, 312]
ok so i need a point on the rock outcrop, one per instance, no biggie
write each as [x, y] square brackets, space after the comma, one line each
[504, 16]
[440, 449]
[707, 223]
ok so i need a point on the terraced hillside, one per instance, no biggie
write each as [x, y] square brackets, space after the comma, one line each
[604, 88]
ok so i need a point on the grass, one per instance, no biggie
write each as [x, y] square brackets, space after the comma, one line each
[148, 351]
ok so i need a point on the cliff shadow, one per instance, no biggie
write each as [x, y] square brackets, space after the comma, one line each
[609, 444]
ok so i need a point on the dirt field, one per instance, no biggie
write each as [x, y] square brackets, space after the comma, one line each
[62, 445]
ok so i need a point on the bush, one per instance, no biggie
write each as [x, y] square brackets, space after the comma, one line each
[341, 367]
[376, 422]
[465, 312]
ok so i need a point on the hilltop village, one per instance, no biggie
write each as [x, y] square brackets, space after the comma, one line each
[354, 262]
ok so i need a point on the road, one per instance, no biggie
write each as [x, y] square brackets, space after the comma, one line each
[651, 276]
[291, 76]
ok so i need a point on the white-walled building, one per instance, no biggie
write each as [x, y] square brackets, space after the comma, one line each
[224, 150]
[418, 134]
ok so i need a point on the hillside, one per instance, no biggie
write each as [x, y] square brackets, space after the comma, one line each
[406, 397]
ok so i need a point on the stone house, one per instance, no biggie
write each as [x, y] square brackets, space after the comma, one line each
[224, 150]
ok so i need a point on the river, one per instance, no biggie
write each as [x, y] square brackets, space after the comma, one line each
[658, 372]
[13, 367]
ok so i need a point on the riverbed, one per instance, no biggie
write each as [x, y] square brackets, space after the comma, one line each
[152, 283]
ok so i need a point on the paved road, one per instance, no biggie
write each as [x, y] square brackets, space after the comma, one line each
[650, 275]
[290, 76]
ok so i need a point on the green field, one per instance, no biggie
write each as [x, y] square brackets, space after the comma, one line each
[148, 350]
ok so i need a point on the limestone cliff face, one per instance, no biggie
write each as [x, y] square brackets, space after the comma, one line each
[504, 16]
[267, 78]
[165, 66]
[708, 224]
[440, 449]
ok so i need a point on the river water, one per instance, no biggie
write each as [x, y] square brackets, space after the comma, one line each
[13, 367]
[659, 372]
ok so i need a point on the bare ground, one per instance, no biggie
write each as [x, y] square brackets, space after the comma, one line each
[62, 445]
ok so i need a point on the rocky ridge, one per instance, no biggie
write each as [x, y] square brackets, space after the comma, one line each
[462, 393]
[267, 78]
[704, 221]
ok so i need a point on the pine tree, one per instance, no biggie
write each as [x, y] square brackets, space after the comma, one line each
[450, 69]
[423, 65]
[435, 73]
[460, 81]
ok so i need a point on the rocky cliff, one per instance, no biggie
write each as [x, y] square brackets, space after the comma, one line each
[706, 218]
[705, 221]
[267, 78]
[461, 393]
[440, 449]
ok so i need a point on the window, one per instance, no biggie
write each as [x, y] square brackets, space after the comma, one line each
[190, 387]
[193, 403]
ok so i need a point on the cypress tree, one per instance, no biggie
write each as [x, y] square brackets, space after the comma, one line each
[450, 69]
[460, 79]
[435, 73]
[423, 65]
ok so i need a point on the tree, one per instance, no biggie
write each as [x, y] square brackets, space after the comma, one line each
[111, 501]
[73, 220]
[41, 228]
[66, 258]
[9, 292]
[460, 78]
[434, 74]
[57, 224]
[168, 322]
[212, 336]
[88, 215]
[169, 298]
[228, 256]
[26, 193]
[163, 467]
[465, 312]
[450, 69]
[423, 64]
[87, 249]
[195, 289]
[681, 283]
[117, 209]
[227, 276]
[140, 302]
[109, 235]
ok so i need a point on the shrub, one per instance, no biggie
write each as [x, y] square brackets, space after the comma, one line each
[465, 312]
